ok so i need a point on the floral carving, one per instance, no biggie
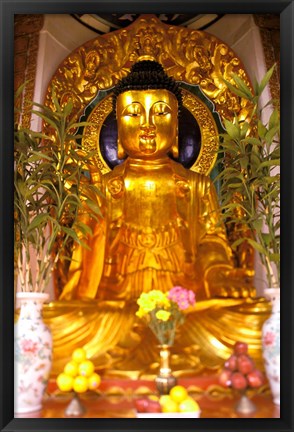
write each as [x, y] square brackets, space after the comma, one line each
[194, 57]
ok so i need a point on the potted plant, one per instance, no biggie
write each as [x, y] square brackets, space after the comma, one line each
[250, 197]
[51, 194]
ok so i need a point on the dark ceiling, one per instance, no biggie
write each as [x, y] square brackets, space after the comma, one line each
[104, 23]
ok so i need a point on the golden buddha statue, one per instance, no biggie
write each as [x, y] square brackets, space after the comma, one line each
[161, 221]
[161, 228]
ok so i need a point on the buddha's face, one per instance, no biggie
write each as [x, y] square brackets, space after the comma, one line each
[147, 122]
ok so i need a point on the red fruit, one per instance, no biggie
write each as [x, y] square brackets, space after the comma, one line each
[225, 378]
[238, 380]
[255, 379]
[231, 363]
[240, 348]
[153, 407]
[141, 405]
[244, 364]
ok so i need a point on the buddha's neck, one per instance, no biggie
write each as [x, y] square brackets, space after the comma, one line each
[149, 163]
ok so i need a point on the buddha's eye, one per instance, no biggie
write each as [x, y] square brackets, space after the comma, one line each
[161, 109]
[132, 110]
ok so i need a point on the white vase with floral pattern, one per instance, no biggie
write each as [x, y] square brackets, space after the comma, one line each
[271, 344]
[32, 354]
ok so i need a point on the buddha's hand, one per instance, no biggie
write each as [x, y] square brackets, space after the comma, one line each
[226, 281]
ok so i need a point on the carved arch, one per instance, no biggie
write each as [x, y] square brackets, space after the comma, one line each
[196, 58]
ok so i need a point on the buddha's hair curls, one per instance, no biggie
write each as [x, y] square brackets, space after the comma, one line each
[147, 75]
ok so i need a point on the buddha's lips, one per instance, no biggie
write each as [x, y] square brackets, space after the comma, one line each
[147, 136]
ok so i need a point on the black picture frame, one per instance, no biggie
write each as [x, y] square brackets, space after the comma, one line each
[8, 8]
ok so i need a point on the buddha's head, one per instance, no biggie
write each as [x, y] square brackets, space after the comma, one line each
[147, 102]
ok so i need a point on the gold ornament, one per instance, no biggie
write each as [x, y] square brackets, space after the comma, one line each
[152, 236]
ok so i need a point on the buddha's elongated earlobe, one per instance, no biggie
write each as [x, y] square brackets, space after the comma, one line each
[175, 147]
[121, 154]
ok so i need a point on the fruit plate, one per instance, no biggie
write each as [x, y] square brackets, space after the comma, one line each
[195, 414]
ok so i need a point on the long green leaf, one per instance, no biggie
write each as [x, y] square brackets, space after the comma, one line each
[269, 163]
[67, 109]
[235, 90]
[242, 86]
[274, 120]
[47, 120]
[232, 130]
[275, 257]
[257, 246]
[71, 233]
[262, 130]
[271, 133]
[265, 79]
[38, 221]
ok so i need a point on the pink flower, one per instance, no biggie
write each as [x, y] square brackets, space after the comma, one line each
[182, 297]
[269, 338]
[191, 297]
[28, 346]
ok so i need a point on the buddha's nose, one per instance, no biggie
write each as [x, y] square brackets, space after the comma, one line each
[147, 124]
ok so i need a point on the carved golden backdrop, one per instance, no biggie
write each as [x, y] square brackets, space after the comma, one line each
[192, 57]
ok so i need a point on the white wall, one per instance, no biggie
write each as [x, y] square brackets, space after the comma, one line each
[61, 34]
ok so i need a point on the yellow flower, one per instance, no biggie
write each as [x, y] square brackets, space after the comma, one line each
[146, 302]
[140, 313]
[162, 315]
[146, 305]
[159, 298]
[152, 300]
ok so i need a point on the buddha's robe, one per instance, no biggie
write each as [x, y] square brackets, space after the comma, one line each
[161, 228]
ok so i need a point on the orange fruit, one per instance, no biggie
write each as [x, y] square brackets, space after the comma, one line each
[163, 398]
[94, 381]
[168, 405]
[71, 368]
[188, 405]
[86, 368]
[80, 384]
[79, 355]
[178, 393]
[64, 382]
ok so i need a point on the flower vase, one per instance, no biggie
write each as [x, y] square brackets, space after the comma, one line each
[32, 353]
[271, 344]
[165, 380]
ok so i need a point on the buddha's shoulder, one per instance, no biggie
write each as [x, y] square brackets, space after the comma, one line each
[117, 171]
[190, 175]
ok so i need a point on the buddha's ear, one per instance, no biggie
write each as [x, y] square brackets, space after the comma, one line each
[121, 154]
[175, 147]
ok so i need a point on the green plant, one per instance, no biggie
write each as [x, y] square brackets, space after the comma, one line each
[51, 194]
[250, 179]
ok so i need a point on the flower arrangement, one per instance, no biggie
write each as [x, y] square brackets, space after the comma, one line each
[164, 312]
